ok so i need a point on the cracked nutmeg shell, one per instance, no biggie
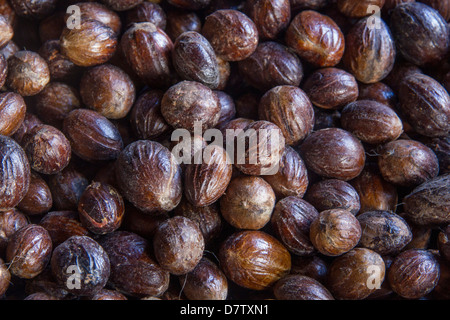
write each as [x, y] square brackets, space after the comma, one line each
[149, 176]
[254, 259]
[101, 208]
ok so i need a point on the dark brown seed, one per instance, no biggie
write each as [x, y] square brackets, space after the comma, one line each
[67, 187]
[240, 39]
[38, 199]
[108, 90]
[149, 176]
[254, 259]
[331, 88]
[55, 102]
[180, 21]
[12, 112]
[291, 221]
[370, 50]
[356, 274]
[316, 38]
[101, 208]
[29, 251]
[85, 258]
[413, 273]
[290, 109]
[428, 204]
[92, 44]
[10, 221]
[378, 91]
[384, 232]
[333, 153]
[335, 232]
[425, 104]
[194, 59]
[298, 287]
[146, 119]
[371, 122]
[147, 12]
[60, 67]
[189, 102]
[148, 50]
[205, 282]
[92, 136]
[333, 194]
[272, 64]
[421, 34]
[441, 147]
[178, 245]
[47, 149]
[206, 182]
[134, 271]
[374, 192]
[100, 13]
[61, 225]
[311, 266]
[14, 173]
[407, 163]
[292, 176]
[28, 73]
[271, 17]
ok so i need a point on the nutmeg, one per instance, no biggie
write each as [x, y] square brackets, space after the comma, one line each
[92, 44]
[248, 202]
[291, 221]
[254, 259]
[290, 109]
[335, 232]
